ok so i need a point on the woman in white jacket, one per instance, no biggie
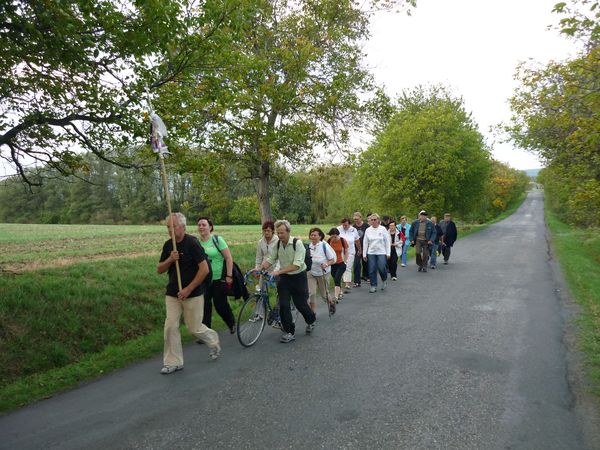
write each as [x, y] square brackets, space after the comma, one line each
[376, 251]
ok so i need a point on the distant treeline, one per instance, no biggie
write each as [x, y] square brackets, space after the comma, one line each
[108, 194]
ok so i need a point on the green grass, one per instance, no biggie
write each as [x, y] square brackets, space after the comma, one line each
[27, 247]
[578, 252]
[61, 326]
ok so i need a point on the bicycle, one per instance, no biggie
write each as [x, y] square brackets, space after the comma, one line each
[256, 310]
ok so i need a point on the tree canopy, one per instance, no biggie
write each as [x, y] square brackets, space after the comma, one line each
[430, 155]
[556, 114]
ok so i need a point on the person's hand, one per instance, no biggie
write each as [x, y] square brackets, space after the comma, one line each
[364, 258]
[229, 281]
[184, 293]
[276, 273]
[388, 257]
[429, 242]
[174, 255]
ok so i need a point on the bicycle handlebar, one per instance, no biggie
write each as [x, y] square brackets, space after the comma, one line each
[267, 276]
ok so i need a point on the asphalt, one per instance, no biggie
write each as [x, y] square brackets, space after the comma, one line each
[472, 355]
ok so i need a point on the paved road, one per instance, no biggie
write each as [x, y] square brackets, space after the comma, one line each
[470, 356]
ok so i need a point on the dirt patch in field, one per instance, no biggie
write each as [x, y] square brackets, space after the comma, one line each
[63, 261]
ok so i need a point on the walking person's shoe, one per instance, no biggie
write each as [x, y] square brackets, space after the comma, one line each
[232, 329]
[372, 289]
[287, 338]
[445, 262]
[277, 325]
[384, 285]
[310, 327]
[433, 267]
[420, 269]
[215, 352]
[356, 285]
[332, 308]
[394, 278]
[402, 265]
[170, 369]
[424, 269]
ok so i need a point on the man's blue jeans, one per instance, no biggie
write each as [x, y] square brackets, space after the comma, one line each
[434, 248]
[377, 263]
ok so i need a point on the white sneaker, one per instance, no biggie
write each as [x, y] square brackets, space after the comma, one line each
[403, 265]
[215, 352]
[170, 369]
[384, 285]
[287, 337]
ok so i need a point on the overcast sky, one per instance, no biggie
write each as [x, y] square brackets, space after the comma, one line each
[471, 46]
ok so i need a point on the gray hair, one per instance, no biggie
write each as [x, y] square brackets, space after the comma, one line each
[180, 218]
[283, 223]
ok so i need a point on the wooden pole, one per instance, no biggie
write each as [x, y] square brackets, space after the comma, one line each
[163, 173]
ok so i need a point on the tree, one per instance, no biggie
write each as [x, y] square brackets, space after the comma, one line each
[294, 81]
[556, 115]
[75, 73]
[430, 156]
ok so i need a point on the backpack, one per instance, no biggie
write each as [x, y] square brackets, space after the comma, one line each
[307, 255]
[238, 289]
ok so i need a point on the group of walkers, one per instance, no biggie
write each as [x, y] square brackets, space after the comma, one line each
[351, 254]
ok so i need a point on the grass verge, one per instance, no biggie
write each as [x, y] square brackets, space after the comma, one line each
[578, 253]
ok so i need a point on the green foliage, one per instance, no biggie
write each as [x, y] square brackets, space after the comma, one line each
[75, 72]
[556, 114]
[245, 211]
[429, 156]
[294, 80]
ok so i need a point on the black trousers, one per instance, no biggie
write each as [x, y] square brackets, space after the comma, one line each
[294, 287]
[357, 267]
[215, 295]
[337, 270]
[446, 252]
[393, 263]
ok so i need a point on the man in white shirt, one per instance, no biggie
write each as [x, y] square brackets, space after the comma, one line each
[350, 234]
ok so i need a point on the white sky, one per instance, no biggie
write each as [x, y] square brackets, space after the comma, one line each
[471, 46]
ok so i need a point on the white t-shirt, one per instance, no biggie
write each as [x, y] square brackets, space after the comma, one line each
[320, 253]
[351, 235]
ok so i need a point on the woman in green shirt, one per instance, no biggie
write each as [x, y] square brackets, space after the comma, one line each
[218, 256]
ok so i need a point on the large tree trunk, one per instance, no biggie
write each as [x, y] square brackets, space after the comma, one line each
[262, 190]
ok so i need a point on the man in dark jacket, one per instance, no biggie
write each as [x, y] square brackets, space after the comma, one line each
[422, 234]
[450, 235]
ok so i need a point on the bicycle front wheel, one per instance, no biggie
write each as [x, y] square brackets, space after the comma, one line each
[251, 320]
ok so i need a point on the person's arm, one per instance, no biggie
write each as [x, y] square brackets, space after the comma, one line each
[228, 264]
[163, 266]
[196, 281]
[388, 244]
[259, 255]
[365, 245]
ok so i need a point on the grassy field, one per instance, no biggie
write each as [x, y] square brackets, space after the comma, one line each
[79, 301]
[578, 252]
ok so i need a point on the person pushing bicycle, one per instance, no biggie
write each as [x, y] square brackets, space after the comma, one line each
[292, 283]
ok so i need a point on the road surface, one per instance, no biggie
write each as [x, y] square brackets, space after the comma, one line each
[469, 356]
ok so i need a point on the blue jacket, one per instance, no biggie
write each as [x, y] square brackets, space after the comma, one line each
[430, 232]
